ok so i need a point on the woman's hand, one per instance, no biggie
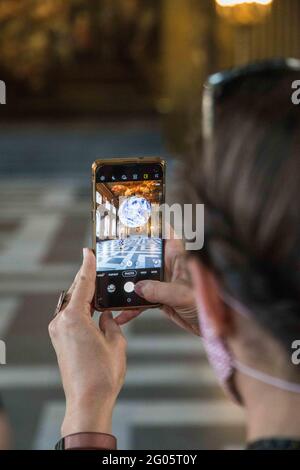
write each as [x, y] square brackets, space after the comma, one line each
[175, 295]
[92, 359]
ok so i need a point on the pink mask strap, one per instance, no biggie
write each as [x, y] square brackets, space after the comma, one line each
[235, 305]
[254, 373]
[267, 379]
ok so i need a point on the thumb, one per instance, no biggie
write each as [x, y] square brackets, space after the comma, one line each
[84, 289]
[166, 293]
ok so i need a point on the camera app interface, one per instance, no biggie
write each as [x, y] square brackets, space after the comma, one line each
[129, 246]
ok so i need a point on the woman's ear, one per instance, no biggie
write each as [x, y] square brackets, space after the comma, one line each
[207, 296]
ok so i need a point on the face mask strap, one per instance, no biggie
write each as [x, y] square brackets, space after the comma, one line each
[249, 371]
[235, 305]
[266, 378]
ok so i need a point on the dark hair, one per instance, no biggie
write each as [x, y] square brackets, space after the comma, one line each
[247, 173]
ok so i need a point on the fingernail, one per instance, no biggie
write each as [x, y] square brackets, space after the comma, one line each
[139, 287]
[85, 252]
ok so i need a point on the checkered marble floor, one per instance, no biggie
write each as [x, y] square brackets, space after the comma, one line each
[170, 399]
[135, 253]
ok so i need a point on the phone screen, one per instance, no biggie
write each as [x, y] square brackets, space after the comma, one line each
[128, 224]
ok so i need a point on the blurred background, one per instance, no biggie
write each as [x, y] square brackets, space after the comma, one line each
[105, 78]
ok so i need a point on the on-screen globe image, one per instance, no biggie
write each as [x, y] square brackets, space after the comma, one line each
[134, 211]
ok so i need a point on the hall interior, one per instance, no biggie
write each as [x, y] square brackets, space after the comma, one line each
[109, 78]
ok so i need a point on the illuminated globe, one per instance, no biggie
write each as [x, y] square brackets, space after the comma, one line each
[134, 211]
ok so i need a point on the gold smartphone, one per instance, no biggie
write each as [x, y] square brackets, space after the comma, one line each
[127, 194]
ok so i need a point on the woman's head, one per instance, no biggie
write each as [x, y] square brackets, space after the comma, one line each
[247, 173]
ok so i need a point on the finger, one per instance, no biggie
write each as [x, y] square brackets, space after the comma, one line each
[174, 249]
[180, 321]
[172, 315]
[72, 286]
[170, 232]
[108, 326]
[166, 293]
[127, 315]
[84, 288]
[70, 291]
[179, 269]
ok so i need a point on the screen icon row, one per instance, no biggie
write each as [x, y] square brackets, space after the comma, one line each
[134, 176]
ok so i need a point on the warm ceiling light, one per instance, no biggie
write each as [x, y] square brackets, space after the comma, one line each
[244, 12]
[233, 3]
